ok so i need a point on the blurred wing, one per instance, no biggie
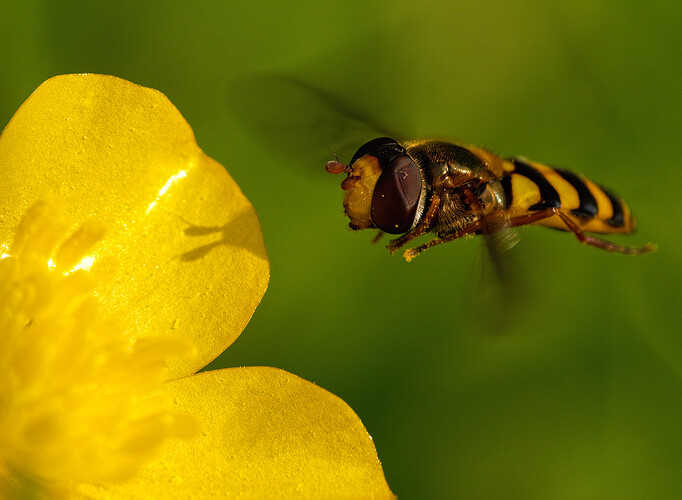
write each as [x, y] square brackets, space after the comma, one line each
[299, 122]
[499, 241]
[500, 287]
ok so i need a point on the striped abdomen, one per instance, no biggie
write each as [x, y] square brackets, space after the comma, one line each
[530, 186]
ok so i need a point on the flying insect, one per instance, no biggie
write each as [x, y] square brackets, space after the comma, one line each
[454, 190]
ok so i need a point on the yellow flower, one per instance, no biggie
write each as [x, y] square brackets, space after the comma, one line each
[67, 376]
[161, 248]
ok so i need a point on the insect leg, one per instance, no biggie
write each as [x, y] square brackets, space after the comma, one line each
[598, 242]
[411, 253]
[422, 227]
[575, 229]
[532, 217]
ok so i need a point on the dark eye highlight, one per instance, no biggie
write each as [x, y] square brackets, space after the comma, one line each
[396, 196]
[372, 147]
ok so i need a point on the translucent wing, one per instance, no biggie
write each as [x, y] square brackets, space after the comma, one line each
[300, 122]
[500, 288]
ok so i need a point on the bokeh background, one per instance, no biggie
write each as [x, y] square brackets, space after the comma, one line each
[573, 389]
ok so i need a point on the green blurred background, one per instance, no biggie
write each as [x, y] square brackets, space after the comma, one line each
[576, 392]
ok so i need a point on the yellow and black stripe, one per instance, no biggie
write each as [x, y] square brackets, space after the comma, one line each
[530, 187]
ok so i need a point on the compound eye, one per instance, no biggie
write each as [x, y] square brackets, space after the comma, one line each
[396, 196]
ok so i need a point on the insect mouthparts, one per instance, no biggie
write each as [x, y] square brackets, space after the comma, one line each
[336, 167]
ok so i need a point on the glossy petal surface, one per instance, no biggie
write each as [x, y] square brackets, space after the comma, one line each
[183, 252]
[267, 434]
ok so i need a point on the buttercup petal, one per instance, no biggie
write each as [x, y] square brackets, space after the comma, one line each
[267, 434]
[183, 250]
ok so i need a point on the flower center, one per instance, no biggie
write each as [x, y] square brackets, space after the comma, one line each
[76, 396]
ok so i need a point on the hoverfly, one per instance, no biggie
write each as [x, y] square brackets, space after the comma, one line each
[451, 190]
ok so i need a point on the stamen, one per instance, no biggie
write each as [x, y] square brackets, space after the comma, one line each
[76, 396]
